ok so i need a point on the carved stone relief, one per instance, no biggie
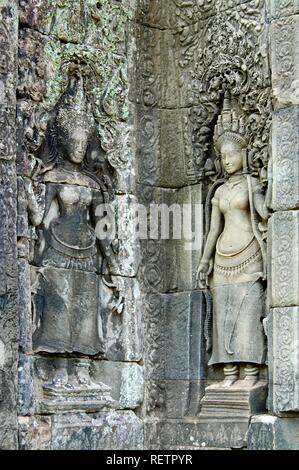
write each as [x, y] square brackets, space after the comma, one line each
[234, 255]
[284, 8]
[285, 73]
[225, 51]
[216, 48]
[65, 286]
[155, 102]
[75, 152]
[9, 323]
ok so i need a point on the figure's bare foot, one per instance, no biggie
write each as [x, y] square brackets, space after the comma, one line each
[229, 381]
[251, 376]
[82, 373]
[226, 382]
[249, 381]
[60, 378]
[230, 376]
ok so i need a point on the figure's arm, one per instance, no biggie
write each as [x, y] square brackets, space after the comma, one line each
[260, 201]
[39, 201]
[215, 230]
[97, 213]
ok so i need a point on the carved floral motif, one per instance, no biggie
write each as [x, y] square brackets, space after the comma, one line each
[227, 52]
[284, 373]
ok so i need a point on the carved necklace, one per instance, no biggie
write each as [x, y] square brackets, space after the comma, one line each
[231, 194]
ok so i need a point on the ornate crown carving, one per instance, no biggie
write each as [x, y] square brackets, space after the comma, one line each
[230, 126]
[73, 110]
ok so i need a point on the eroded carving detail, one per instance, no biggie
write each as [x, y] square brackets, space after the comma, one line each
[67, 255]
[227, 52]
[284, 373]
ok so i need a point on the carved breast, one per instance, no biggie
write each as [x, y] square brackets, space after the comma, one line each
[75, 195]
[72, 229]
[234, 198]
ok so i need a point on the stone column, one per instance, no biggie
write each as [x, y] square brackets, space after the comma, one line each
[8, 219]
[280, 429]
[174, 353]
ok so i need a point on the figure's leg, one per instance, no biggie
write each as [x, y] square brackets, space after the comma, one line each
[231, 372]
[251, 374]
[60, 378]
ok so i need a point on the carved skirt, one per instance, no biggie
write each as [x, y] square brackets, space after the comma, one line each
[66, 312]
[238, 334]
[238, 308]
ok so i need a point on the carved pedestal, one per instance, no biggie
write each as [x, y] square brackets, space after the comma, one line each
[224, 409]
[89, 398]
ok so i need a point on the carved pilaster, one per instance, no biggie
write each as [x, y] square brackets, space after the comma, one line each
[8, 217]
[285, 148]
[284, 61]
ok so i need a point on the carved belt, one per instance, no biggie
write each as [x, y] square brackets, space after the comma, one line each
[230, 265]
[71, 251]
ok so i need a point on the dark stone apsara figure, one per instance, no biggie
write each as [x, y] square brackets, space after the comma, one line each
[68, 254]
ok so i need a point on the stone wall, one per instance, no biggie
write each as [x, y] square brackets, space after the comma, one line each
[9, 324]
[154, 75]
[279, 429]
[94, 38]
[188, 55]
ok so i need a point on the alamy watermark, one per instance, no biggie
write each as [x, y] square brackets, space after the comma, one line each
[156, 222]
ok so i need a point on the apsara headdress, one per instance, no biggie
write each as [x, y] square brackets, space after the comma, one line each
[230, 126]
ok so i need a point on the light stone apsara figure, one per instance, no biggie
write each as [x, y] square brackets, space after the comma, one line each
[69, 257]
[233, 261]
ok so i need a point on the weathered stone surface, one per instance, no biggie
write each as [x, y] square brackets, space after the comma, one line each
[169, 263]
[233, 403]
[8, 369]
[67, 311]
[174, 14]
[123, 336]
[173, 399]
[162, 159]
[25, 313]
[174, 353]
[102, 431]
[92, 22]
[271, 433]
[35, 433]
[183, 68]
[128, 247]
[8, 52]
[43, 64]
[126, 382]
[203, 64]
[28, 394]
[8, 217]
[283, 340]
[283, 266]
[285, 148]
[280, 8]
[38, 395]
[284, 61]
[192, 433]
[155, 76]
[173, 335]
[22, 228]
[8, 305]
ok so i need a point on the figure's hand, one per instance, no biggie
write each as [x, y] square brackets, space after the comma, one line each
[203, 272]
